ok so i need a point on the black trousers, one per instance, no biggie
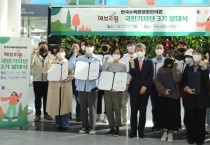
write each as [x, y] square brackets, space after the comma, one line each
[99, 103]
[40, 91]
[75, 92]
[138, 104]
[154, 102]
[196, 125]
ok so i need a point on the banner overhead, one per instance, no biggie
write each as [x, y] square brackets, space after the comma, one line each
[159, 21]
[14, 81]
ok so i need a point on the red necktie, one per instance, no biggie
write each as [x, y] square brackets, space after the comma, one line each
[140, 64]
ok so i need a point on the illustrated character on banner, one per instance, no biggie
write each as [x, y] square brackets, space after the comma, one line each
[204, 24]
[12, 110]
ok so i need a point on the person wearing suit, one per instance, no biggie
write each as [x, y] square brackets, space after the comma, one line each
[196, 100]
[141, 71]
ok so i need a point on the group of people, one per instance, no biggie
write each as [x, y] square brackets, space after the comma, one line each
[166, 79]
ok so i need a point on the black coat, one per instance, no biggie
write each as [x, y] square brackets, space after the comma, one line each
[141, 78]
[201, 100]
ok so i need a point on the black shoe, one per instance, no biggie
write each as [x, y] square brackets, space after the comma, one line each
[78, 119]
[141, 134]
[111, 131]
[154, 128]
[116, 133]
[132, 134]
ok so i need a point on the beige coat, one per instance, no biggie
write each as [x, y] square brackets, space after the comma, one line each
[53, 95]
[37, 63]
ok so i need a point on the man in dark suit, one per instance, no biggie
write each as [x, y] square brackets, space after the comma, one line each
[142, 71]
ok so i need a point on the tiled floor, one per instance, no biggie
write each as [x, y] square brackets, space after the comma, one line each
[45, 133]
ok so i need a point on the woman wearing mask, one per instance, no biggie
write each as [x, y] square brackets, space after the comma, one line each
[197, 97]
[59, 101]
[167, 108]
[113, 99]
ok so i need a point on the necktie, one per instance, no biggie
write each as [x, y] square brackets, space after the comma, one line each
[140, 64]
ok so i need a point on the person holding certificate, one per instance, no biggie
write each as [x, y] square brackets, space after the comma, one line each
[197, 99]
[105, 46]
[113, 98]
[86, 79]
[167, 83]
[59, 95]
[142, 72]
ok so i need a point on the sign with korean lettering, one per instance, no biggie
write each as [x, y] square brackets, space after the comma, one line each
[14, 81]
[173, 21]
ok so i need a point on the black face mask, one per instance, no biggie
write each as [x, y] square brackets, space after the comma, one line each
[168, 62]
[104, 48]
[43, 50]
[181, 50]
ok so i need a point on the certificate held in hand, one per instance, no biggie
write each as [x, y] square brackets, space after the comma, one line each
[194, 81]
[167, 81]
[87, 71]
[110, 80]
[58, 72]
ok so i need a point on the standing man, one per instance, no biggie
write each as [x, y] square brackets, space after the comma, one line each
[105, 46]
[182, 47]
[87, 90]
[40, 82]
[142, 73]
[131, 55]
[159, 58]
[72, 57]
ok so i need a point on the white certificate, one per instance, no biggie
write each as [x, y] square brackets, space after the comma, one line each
[120, 80]
[86, 71]
[58, 72]
[125, 60]
[94, 70]
[106, 80]
[81, 70]
[103, 57]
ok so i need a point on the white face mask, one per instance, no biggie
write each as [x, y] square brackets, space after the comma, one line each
[83, 47]
[159, 51]
[131, 49]
[140, 54]
[188, 60]
[61, 55]
[116, 56]
[197, 58]
[89, 50]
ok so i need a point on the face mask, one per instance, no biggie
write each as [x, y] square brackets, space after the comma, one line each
[83, 47]
[181, 50]
[89, 50]
[116, 56]
[168, 62]
[43, 50]
[61, 55]
[197, 58]
[140, 54]
[159, 51]
[131, 49]
[188, 60]
[104, 48]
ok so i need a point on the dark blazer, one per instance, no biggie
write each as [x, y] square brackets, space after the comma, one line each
[198, 101]
[141, 78]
